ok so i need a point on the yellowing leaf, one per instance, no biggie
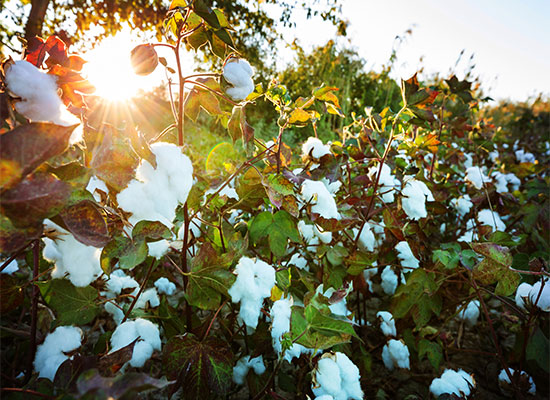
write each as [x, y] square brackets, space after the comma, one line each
[299, 116]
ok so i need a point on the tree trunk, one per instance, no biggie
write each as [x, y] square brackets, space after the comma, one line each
[36, 18]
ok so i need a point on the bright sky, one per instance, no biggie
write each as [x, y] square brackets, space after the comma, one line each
[510, 39]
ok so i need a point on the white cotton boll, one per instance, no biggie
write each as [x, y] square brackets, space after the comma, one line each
[156, 192]
[328, 377]
[500, 181]
[324, 397]
[79, 262]
[254, 282]
[227, 190]
[336, 376]
[524, 157]
[405, 254]
[462, 205]
[395, 354]
[148, 336]
[96, 183]
[325, 237]
[38, 91]
[469, 160]
[492, 219]
[149, 296]
[369, 273]
[493, 155]
[332, 187]
[367, 241]
[118, 281]
[240, 370]
[542, 294]
[470, 313]
[49, 355]
[238, 72]
[513, 181]
[415, 193]
[164, 286]
[458, 382]
[390, 280]
[522, 293]
[115, 311]
[315, 147]
[323, 203]
[476, 177]
[470, 234]
[504, 381]
[387, 182]
[299, 261]
[340, 308]
[10, 268]
[387, 323]
[159, 248]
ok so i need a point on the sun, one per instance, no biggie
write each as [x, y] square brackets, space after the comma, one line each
[110, 71]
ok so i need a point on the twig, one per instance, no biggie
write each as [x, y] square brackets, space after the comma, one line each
[34, 308]
[153, 263]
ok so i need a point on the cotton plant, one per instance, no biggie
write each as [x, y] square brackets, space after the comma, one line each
[314, 148]
[280, 316]
[299, 261]
[336, 376]
[74, 260]
[415, 194]
[339, 308]
[387, 183]
[238, 73]
[52, 353]
[390, 280]
[11, 268]
[255, 279]
[523, 156]
[313, 236]
[525, 382]
[463, 204]
[476, 177]
[148, 340]
[164, 286]
[485, 217]
[245, 364]
[459, 383]
[505, 182]
[365, 237]
[395, 353]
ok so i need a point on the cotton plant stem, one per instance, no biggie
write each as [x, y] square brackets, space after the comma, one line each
[34, 308]
[14, 256]
[143, 284]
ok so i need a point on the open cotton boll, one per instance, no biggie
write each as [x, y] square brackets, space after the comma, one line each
[10, 268]
[525, 382]
[280, 315]
[395, 354]
[470, 233]
[315, 148]
[492, 219]
[405, 254]
[149, 296]
[238, 73]
[369, 273]
[255, 278]
[336, 376]
[522, 293]
[462, 205]
[387, 323]
[415, 193]
[468, 160]
[38, 93]
[75, 260]
[240, 370]
[524, 157]
[493, 155]
[332, 187]
[50, 354]
[476, 177]
[117, 282]
[390, 280]
[323, 203]
[299, 261]
[387, 182]
[148, 337]
[470, 313]
[164, 286]
[540, 295]
[96, 183]
[458, 382]
[366, 240]
[339, 308]
[159, 248]
[500, 181]
[156, 192]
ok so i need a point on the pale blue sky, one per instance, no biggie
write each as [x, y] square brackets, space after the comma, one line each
[510, 39]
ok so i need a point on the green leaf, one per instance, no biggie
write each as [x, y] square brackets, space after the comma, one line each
[206, 287]
[206, 13]
[73, 305]
[198, 39]
[538, 350]
[432, 350]
[151, 230]
[128, 253]
[204, 369]
[495, 267]
[302, 332]
[225, 37]
[336, 254]
[283, 221]
[259, 226]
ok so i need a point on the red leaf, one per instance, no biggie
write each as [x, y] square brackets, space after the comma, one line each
[86, 223]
